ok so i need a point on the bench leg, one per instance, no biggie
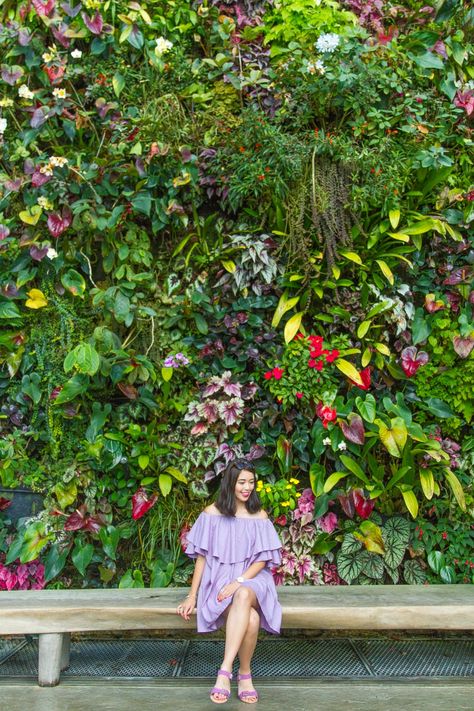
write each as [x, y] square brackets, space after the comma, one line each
[65, 651]
[50, 659]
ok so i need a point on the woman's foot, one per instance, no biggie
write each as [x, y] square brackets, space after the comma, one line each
[221, 691]
[246, 691]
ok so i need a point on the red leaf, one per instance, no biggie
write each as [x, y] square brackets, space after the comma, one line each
[4, 503]
[57, 224]
[141, 503]
[44, 8]
[354, 431]
[363, 506]
[77, 520]
[463, 346]
[95, 25]
[128, 390]
[347, 504]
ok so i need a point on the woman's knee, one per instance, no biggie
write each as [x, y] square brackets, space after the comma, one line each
[244, 596]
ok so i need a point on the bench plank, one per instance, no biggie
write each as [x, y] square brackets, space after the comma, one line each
[447, 607]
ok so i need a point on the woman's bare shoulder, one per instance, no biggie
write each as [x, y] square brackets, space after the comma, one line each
[262, 514]
[212, 509]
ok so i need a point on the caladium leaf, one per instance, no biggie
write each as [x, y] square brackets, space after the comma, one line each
[44, 7]
[141, 503]
[94, 25]
[354, 429]
[12, 74]
[463, 346]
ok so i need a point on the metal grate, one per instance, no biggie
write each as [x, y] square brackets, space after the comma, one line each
[305, 658]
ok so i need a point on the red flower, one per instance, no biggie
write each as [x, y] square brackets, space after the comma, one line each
[365, 377]
[325, 413]
[319, 365]
[299, 335]
[311, 363]
[277, 373]
[55, 74]
[268, 375]
[363, 506]
[299, 395]
[281, 520]
[332, 355]
[261, 176]
[444, 535]
[412, 360]
[141, 503]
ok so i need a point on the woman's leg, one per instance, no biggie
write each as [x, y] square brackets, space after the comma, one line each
[238, 618]
[246, 651]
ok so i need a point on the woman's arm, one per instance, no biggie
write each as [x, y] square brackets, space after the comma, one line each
[189, 603]
[248, 574]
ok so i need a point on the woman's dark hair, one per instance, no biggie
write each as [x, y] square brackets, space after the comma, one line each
[225, 502]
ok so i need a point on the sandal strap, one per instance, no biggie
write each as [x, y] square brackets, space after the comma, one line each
[242, 677]
[246, 694]
[223, 672]
[216, 690]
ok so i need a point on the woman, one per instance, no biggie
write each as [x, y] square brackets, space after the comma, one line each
[234, 544]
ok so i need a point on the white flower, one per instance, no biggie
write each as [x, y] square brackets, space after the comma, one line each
[46, 169]
[47, 57]
[162, 45]
[317, 66]
[76, 54]
[59, 93]
[58, 161]
[51, 253]
[24, 92]
[3, 125]
[326, 441]
[45, 203]
[327, 42]
[342, 445]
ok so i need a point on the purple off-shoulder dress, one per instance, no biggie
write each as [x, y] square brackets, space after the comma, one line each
[230, 545]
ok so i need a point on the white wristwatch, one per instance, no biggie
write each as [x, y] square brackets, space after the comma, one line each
[240, 579]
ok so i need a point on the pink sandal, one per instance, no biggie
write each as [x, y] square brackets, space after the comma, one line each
[245, 694]
[224, 692]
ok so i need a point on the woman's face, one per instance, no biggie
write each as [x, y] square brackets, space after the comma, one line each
[244, 485]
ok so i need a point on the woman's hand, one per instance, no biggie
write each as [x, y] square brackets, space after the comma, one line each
[186, 607]
[227, 591]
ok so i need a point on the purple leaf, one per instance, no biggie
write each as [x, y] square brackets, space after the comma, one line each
[44, 8]
[140, 166]
[10, 75]
[347, 504]
[38, 179]
[13, 185]
[24, 38]
[463, 346]
[57, 224]
[59, 33]
[4, 232]
[40, 116]
[95, 25]
[354, 431]
[38, 253]
[70, 10]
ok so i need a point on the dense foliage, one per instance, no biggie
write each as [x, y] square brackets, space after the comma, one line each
[234, 227]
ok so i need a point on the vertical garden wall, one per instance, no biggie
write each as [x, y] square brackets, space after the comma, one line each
[237, 228]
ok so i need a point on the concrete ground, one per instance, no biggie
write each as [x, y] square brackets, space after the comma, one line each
[278, 694]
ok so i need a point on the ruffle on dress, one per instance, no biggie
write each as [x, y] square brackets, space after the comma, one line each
[234, 539]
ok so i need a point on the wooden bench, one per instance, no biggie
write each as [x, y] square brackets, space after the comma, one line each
[54, 614]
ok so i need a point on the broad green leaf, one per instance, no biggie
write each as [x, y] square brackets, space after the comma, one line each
[411, 502]
[293, 326]
[400, 236]
[363, 328]
[348, 369]
[74, 282]
[54, 562]
[66, 494]
[284, 305]
[166, 374]
[382, 348]
[74, 386]
[394, 217]
[353, 467]
[349, 565]
[436, 561]
[386, 271]
[352, 256]
[366, 357]
[413, 573]
[396, 536]
[419, 228]
[332, 480]
[177, 474]
[165, 483]
[229, 265]
[427, 482]
[394, 437]
[456, 488]
[82, 556]
[366, 407]
[143, 461]
[118, 83]
[84, 358]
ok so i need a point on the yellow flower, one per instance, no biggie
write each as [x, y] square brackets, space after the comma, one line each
[298, 495]
[288, 486]
[268, 489]
[294, 481]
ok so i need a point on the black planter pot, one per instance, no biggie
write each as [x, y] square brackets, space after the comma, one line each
[24, 503]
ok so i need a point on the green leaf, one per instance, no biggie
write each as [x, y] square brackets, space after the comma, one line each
[373, 566]
[394, 217]
[77, 385]
[332, 480]
[363, 328]
[427, 482]
[350, 565]
[177, 474]
[109, 537]
[54, 562]
[386, 271]
[436, 561]
[348, 369]
[354, 468]
[201, 324]
[132, 580]
[74, 283]
[293, 326]
[118, 83]
[396, 535]
[167, 374]
[84, 358]
[393, 438]
[420, 327]
[351, 256]
[82, 556]
[413, 573]
[367, 407]
[165, 482]
[456, 488]
[427, 60]
[284, 305]
[411, 502]
[143, 461]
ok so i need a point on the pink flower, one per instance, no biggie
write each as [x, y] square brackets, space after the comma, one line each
[465, 100]
[299, 395]
[327, 523]
[412, 359]
[277, 373]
